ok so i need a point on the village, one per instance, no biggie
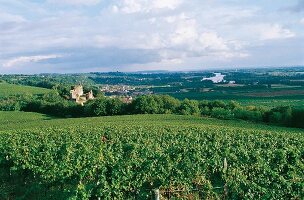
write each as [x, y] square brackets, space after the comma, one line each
[124, 92]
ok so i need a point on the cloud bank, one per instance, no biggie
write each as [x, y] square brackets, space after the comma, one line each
[130, 35]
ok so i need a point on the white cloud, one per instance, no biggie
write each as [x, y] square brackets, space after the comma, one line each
[185, 33]
[276, 31]
[174, 18]
[29, 59]
[229, 55]
[135, 6]
[115, 9]
[150, 41]
[131, 6]
[75, 2]
[169, 4]
[178, 32]
[7, 17]
[170, 19]
[211, 41]
[103, 41]
[191, 40]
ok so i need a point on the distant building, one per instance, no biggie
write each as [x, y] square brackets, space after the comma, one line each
[78, 95]
[77, 92]
[117, 89]
[127, 99]
[89, 95]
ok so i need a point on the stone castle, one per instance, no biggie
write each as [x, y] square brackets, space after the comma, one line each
[78, 95]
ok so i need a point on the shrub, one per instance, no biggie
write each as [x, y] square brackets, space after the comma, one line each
[189, 107]
[221, 113]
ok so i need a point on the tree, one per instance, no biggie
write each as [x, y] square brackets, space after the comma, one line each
[145, 105]
[63, 91]
[189, 107]
[233, 104]
[217, 104]
[96, 107]
[297, 118]
[114, 107]
[221, 113]
[52, 96]
[169, 104]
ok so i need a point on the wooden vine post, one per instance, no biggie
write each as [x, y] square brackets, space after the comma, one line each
[156, 194]
[225, 167]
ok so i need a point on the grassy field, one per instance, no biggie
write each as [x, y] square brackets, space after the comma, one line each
[7, 90]
[126, 157]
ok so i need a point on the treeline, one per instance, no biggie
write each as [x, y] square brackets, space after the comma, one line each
[53, 104]
[60, 83]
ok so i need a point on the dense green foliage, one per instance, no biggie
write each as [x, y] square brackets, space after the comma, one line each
[128, 156]
[51, 102]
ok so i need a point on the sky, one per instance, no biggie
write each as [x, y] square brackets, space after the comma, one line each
[67, 36]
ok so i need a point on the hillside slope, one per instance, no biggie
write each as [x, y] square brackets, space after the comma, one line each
[7, 90]
[126, 157]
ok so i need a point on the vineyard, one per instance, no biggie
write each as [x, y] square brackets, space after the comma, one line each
[126, 157]
[13, 90]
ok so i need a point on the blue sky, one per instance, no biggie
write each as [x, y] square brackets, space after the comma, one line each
[63, 36]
